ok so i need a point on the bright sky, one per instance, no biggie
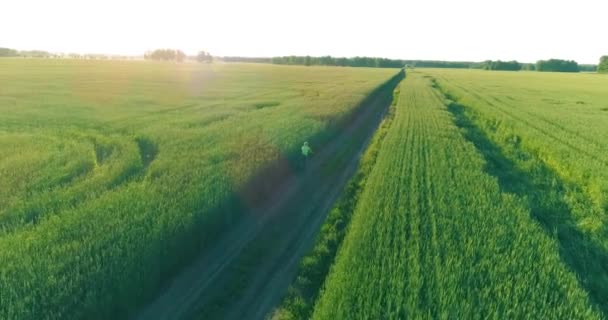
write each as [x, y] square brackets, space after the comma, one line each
[526, 30]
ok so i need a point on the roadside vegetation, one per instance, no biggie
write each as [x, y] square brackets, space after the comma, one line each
[302, 294]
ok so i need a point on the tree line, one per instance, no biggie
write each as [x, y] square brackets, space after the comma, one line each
[557, 65]
[176, 55]
[439, 64]
[7, 52]
[551, 65]
[370, 62]
[165, 55]
[501, 65]
[554, 65]
[603, 66]
[587, 67]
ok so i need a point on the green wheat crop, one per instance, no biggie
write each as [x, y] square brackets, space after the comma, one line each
[113, 173]
[434, 237]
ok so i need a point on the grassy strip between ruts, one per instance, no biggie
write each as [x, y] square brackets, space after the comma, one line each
[314, 267]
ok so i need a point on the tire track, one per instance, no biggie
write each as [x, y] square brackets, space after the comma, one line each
[292, 217]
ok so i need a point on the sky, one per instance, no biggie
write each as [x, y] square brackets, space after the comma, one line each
[466, 30]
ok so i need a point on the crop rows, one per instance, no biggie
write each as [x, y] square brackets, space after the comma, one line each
[550, 154]
[433, 236]
[113, 174]
[561, 118]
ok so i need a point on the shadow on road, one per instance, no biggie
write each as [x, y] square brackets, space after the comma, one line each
[248, 269]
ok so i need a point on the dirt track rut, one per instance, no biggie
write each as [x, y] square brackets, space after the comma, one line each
[248, 270]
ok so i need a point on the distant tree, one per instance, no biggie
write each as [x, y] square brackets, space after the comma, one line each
[180, 56]
[324, 61]
[557, 65]
[478, 65]
[248, 59]
[165, 55]
[6, 52]
[342, 62]
[501, 65]
[603, 66]
[587, 67]
[528, 66]
[440, 64]
[203, 56]
[35, 54]
[93, 56]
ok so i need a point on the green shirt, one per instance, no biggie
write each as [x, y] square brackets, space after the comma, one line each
[306, 150]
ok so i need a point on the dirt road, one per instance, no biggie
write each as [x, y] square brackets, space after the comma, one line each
[246, 273]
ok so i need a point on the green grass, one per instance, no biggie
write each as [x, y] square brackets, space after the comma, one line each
[559, 117]
[435, 235]
[486, 197]
[114, 173]
[543, 140]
